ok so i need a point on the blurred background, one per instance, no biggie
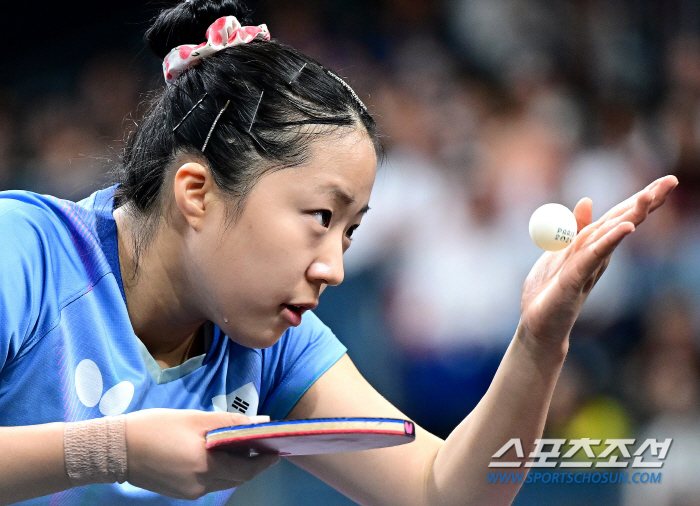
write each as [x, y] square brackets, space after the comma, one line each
[489, 109]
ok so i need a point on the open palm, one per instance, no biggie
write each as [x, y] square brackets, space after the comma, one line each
[560, 282]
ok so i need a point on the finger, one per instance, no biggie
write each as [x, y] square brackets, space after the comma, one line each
[216, 485]
[596, 230]
[634, 209]
[235, 466]
[582, 237]
[646, 195]
[596, 255]
[583, 213]
[663, 189]
[659, 188]
[605, 246]
[635, 215]
[630, 202]
[218, 419]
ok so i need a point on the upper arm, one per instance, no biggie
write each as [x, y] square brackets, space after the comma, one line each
[20, 282]
[40, 272]
[396, 475]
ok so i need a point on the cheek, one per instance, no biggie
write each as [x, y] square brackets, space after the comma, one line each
[264, 260]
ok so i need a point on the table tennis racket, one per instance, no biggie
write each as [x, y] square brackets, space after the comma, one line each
[313, 436]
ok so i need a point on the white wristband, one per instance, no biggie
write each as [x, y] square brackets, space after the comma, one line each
[94, 451]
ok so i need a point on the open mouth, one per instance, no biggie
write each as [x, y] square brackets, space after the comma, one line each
[293, 314]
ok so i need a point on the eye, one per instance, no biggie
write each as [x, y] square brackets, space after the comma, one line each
[323, 217]
[350, 231]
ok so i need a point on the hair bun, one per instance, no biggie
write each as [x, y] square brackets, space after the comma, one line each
[187, 23]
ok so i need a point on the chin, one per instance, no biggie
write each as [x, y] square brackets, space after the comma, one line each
[263, 338]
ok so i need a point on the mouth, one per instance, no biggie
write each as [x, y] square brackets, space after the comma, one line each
[293, 312]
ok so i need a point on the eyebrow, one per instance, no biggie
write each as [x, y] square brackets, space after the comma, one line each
[342, 196]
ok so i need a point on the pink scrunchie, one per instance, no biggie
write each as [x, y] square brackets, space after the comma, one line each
[223, 32]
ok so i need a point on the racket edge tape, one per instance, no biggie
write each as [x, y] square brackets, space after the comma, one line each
[325, 435]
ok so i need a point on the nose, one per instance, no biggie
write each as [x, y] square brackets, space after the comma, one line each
[327, 268]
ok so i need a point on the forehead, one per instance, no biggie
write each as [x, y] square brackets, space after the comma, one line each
[341, 166]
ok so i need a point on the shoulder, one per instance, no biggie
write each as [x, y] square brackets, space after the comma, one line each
[28, 234]
[35, 230]
[43, 265]
[26, 213]
[58, 235]
[32, 234]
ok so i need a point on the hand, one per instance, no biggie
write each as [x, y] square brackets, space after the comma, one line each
[166, 453]
[560, 282]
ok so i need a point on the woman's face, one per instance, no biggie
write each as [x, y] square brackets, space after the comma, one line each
[258, 276]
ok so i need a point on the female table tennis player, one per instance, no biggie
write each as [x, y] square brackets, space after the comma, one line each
[188, 288]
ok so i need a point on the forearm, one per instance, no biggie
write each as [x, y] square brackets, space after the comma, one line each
[31, 462]
[431, 472]
[515, 406]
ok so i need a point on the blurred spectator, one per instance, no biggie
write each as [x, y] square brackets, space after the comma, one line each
[581, 409]
[64, 150]
[8, 154]
[666, 372]
[69, 138]
[108, 108]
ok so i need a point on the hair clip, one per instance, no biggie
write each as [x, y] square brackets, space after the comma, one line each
[347, 87]
[297, 74]
[256, 111]
[190, 111]
[213, 125]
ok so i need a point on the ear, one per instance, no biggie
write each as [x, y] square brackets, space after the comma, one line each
[192, 187]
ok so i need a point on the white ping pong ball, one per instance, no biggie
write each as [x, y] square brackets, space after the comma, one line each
[553, 227]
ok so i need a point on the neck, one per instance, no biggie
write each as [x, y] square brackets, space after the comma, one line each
[160, 305]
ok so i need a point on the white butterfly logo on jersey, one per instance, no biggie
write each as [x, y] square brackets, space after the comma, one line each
[242, 400]
[89, 385]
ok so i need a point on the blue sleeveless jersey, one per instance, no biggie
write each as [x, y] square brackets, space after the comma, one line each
[68, 351]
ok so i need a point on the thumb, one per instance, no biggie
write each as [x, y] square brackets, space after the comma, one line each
[219, 419]
[583, 213]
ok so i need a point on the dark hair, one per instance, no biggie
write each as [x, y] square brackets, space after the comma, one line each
[280, 101]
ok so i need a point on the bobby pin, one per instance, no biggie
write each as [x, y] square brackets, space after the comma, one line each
[347, 87]
[190, 111]
[256, 111]
[213, 125]
[297, 74]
